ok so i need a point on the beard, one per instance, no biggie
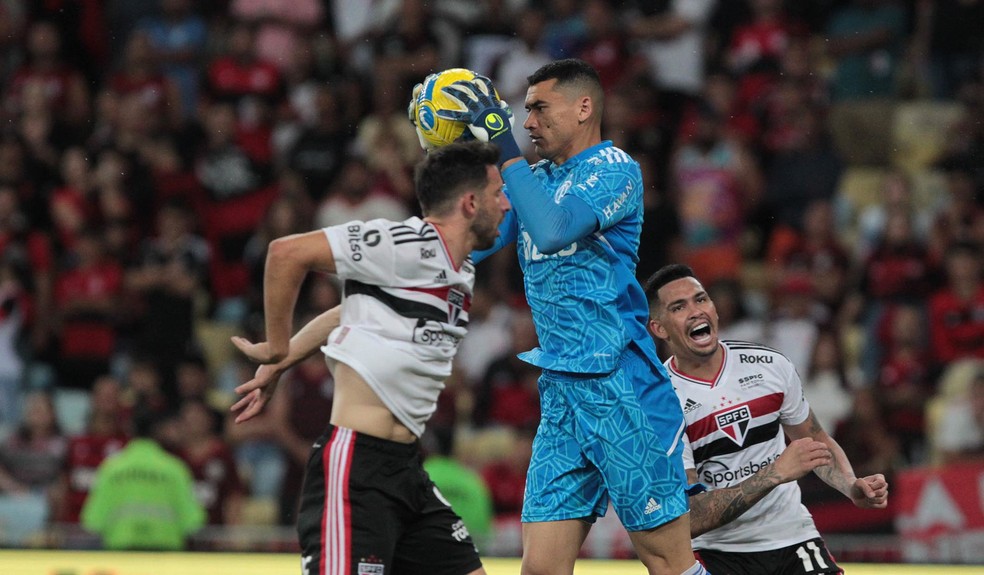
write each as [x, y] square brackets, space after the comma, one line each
[485, 229]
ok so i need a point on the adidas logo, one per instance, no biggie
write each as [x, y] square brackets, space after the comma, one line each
[442, 278]
[652, 506]
[690, 405]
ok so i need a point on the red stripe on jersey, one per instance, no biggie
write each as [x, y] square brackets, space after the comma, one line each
[442, 293]
[759, 406]
[447, 252]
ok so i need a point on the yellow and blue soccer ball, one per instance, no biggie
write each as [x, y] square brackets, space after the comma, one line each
[436, 130]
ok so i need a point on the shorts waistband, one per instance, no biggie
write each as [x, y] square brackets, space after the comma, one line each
[379, 444]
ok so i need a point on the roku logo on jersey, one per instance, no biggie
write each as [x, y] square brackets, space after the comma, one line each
[748, 358]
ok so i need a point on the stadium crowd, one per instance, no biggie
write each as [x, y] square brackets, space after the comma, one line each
[819, 164]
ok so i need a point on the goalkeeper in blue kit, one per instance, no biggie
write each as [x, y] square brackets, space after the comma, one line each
[610, 422]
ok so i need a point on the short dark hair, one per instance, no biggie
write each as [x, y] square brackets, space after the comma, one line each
[665, 275]
[447, 171]
[569, 72]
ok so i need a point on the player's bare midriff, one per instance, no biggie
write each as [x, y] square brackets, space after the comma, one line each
[357, 407]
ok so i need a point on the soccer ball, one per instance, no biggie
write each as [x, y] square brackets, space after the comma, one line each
[435, 130]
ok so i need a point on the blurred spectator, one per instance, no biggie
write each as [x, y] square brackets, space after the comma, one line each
[387, 141]
[524, 54]
[463, 487]
[960, 432]
[961, 215]
[145, 387]
[192, 379]
[32, 457]
[948, 42]
[408, 45]
[830, 383]
[866, 40]
[760, 44]
[31, 463]
[87, 297]
[356, 195]
[252, 87]
[287, 215]
[489, 334]
[143, 497]
[866, 439]
[27, 249]
[895, 195]
[13, 22]
[735, 320]
[72, 205]
[318, 153]
[169, 278]
[64, 90]
[956, 311]
[897, 271]
[672, 35]
[139, 73]
[105, 434]
[906, 380]
[179, 37]
[565, 30]
[507, 394]
[280, 26]
[804, 169]
[506, 477]
[815, 250]
[13, 310]
[210, 459]
[717, 183]
[659, 241]
[605, 45]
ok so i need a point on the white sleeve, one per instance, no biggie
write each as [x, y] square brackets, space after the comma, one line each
[688, 453]
[795, 409]
[363, 251]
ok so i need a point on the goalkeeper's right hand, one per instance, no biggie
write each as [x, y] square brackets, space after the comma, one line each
[489, 119]
[411, 113]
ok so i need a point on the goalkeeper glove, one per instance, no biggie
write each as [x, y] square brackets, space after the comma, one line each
[489, 119]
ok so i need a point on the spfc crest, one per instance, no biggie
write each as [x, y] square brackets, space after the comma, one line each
[734, 423]
[456, 303]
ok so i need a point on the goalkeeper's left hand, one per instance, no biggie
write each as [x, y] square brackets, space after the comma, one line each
[489, 119]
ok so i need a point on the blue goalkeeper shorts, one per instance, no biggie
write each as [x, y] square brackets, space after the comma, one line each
[614, 436]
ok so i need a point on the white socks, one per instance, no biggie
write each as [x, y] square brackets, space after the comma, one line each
[697, 569]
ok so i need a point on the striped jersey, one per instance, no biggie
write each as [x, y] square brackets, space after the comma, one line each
[585, 299]
[734, 428]
[405, 308]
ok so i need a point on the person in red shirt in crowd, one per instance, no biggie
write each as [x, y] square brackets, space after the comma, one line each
[606, 46]
[140, 74]
[507, 394]
[956, 311]
[213, 467]
[28, 248]
[254, 87]
[65, 91]
[105, 434]
[905, 378]
[506, 476]
[87, 298]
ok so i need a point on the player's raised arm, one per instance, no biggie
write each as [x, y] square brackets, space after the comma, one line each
[288, 261]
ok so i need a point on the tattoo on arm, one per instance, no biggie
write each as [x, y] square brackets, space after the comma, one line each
[712, 509]
[832, 474]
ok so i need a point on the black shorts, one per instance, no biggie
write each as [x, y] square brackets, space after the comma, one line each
[369, 508]
[806, 558]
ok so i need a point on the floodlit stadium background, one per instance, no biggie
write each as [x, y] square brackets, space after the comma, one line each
[106, 563]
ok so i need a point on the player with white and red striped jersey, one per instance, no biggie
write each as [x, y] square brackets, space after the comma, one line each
[367, 505]
[740, 401]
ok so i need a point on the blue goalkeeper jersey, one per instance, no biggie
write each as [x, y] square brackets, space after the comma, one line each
[585, 299]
